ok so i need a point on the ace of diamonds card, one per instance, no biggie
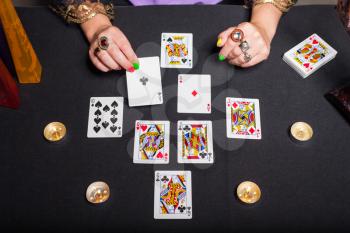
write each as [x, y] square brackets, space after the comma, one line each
[176, 50]
[195, 142]
[151, 144]
[243, 118]
[172, 195]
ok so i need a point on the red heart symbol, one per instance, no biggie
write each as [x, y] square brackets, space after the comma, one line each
[315, 42]
[143, 127]
[159, 155]
[307, 65]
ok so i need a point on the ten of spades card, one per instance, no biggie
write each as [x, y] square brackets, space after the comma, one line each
[105, 117]
[176, 50]
[194, 93]
[172, 195]
[145, 85]
[151, 144]
[243, 118]
[195, 142]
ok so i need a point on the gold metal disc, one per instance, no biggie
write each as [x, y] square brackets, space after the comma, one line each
[301, 131]
[97, 192]
[55, 131]
[248, 192]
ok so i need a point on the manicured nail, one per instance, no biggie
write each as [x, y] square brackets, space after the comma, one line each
[221, 57]
[136, 65]
[131, 69]
[218, 43]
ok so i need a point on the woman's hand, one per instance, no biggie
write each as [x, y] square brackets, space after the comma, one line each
[119, 54]
[258, 33]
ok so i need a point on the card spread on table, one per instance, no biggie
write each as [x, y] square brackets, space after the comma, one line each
[243, 118]
[172, 195]
[176, 50]
[195, 142]
[309, 55]
[194, 93]
[151, 145]
[105, 117]
[145, 85]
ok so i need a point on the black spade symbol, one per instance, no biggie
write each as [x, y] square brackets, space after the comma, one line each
[183, 60]
[170, 40]
[106, 108]
[98, 112]
[98, 104]
[114, 112]
[97, 120]
[113, 128]
[105, 124]
[114, 104]
[114, 120]
[97, 128]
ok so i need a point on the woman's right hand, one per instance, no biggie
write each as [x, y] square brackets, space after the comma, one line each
[119, 54]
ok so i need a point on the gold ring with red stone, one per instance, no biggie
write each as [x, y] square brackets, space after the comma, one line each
[103, 43]
[237, 35]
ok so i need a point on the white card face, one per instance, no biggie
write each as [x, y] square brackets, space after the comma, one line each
[309, 55]
[177, 50]
[172, 195]
[194, 93]
[195, 142]
[243, 118]
[105, 117]
[151, 145]
[145, 85]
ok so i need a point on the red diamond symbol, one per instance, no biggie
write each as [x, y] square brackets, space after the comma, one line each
[235, 105]
[251, 130]
[194, 93]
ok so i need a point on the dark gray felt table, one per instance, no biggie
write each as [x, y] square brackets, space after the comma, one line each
[304, 188]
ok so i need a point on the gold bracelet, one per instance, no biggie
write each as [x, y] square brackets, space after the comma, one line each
[282, 5]
[80, 13]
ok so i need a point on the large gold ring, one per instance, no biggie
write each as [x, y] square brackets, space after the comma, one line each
[103, 43]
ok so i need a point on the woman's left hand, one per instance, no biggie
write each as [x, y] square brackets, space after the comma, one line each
[257, 39]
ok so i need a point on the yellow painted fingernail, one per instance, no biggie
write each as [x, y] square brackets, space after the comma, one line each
[218, 43]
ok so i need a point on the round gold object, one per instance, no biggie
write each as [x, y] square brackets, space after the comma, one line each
[248, 192]
[301, 131]
[97, 192]
[55, 131]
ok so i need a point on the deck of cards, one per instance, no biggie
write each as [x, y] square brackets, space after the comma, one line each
[309, 55]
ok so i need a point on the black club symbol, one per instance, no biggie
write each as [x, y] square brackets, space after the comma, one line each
[186, 128]
[182, 209]
[165, 179]
[144, 81]
[202, 154]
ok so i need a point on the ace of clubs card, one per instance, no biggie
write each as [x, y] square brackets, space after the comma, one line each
[194, 93]
[172, 195]
[195, 142]
[105, 117]
[176, 50]
[243, 118]
[145, 85]
[151, 144]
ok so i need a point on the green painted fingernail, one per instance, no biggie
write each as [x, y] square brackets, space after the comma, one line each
[136, 65]
[221, 57]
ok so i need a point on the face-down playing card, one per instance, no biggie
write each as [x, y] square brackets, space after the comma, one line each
[145, 85]
[243, 118]
[151, 145]
[194, 93]
[105, 117]
[195, 142]
[176, 50]
[172, 195]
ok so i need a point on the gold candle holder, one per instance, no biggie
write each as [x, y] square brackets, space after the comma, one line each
[97, 192]
[248, 192]
[301, 131]
[54, 131]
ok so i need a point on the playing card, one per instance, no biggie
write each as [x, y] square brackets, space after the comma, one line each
[195, 142]
[243, 118]
[194, 93]
[172, 195]
[309, 55]
[151, 144]
[105, 117]
[145, 85]
[176, 50]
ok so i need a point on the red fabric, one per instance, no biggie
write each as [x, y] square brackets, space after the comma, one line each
[9, 95]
